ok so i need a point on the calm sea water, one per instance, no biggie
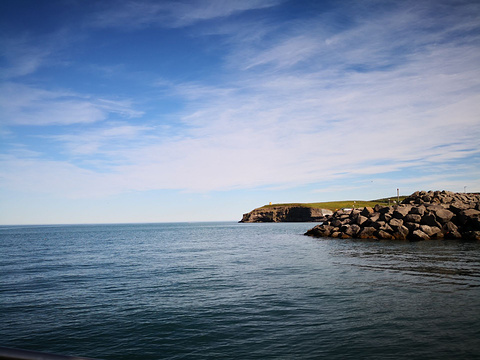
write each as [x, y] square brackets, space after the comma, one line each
[235, 291]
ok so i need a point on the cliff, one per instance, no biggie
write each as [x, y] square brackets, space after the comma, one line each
[286, 213]
[421, 216]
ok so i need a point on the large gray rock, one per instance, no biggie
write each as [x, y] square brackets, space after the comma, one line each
[367, 233]
[468, 217]
[401, 233]
[443, 215]
[385, 217]
[384, 235]
[419, 210]
[336, 222]
[449, 226]
[395, 223]
[412, 218]
[401, 211]
[351, 230]
[430, 219]
[367, 211]
[419, 235]
[361, 220]
[431, 231]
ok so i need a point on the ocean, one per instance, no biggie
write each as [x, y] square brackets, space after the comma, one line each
[235, 291]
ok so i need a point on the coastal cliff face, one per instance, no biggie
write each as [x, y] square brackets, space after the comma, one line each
[286, 214]
[421, 216]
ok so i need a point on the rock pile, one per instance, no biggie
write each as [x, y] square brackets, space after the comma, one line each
[421, 216]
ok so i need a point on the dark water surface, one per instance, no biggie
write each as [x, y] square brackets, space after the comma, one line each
[235, 291]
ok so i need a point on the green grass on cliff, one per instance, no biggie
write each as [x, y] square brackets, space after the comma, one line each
[335, 205]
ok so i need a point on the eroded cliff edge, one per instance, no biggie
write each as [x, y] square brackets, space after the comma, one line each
[421, 216]
[286, 213]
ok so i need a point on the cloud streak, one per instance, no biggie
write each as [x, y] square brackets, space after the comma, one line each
[26, 105]
[172, 14]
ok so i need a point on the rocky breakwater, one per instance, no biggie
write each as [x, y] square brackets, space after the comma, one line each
[421, 216]
[288, 213]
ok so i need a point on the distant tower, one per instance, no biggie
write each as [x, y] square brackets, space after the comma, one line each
[270, 203]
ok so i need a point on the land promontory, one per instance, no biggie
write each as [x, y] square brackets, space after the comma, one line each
[286, 213]
[420, 216]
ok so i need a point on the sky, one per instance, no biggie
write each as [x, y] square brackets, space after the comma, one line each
[160, 111]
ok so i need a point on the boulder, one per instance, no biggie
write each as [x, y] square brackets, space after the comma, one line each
[387, 228]
[431, 231]
[383, 209]
[395, 223]
[418, 210]
[446, 199]
[419, 235]
[427, 198]
[361, 220]
[385, 217]
[401, 233]
[449, 226]
[412, 218]
[443, 215]
[411, 226]
[354, 214]
[429, 219]
[320, 231]
[366, 211]
[367, 233]
[336, 222]
[401, 211]
[469, 217]
[351, 230]
[457, 207]
[382, 234]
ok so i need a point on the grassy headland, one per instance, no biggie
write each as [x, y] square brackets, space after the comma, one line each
[334, 205]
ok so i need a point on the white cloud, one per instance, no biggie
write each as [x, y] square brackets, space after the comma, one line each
[25, 53]
[107, 140]
[22, 58]
[188, 13]
[139, 14]
[26, 105]
[288, 53]
[31, 175]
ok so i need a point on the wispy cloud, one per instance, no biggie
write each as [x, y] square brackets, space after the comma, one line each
[108, 140]
[26, 105]
[140, 14]
[21, 57]
[25, 53]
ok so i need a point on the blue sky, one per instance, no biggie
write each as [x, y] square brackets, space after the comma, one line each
[146, 111]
